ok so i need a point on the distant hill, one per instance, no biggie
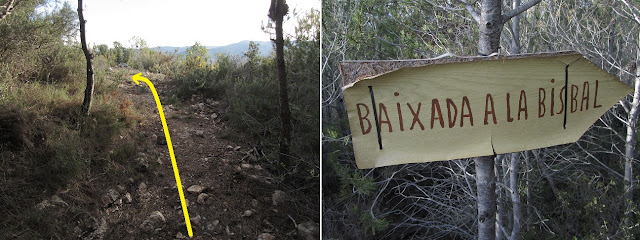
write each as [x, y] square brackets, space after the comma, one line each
[232, 49]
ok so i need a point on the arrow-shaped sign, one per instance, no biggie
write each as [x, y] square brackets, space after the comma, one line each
[443, 109]
[137, 78]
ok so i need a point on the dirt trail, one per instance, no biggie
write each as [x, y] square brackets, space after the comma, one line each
[238, 197]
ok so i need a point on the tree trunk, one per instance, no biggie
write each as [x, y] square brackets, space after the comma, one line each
[515, 30]
[490, 27]
[88, 92]
[486, 185]
[630, 145]
[490, 23]
[515, 198]
[277, 11]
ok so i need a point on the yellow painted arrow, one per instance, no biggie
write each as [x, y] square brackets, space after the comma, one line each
[137, 78]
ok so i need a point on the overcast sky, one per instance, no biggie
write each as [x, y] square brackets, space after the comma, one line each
[181, 23]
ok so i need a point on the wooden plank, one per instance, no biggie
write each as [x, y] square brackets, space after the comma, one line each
[444, 109]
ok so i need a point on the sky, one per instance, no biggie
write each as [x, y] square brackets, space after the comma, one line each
[169, 23]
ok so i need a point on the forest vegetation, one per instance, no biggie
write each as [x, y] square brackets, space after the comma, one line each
[583, 190]
[48, 146]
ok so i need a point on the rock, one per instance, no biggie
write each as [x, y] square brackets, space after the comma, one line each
[159, 160]
[195, 189]
[244, 165]
[142, 187]
[199, 133]
[196, 220]
[118, 202]
[214, 116]
[202, 198]
[212, 226]
[266, 236]
[278, 197]
[308, 231]
[229, 231]
[143, 164]
[237, 148]
[44, 204]
[131, 181]
[127, 198]
[257, 167]
[58, 201]
[110, 197]
[157, 217]
[179, 235]
[144, 197]
[113, 194]
[247, 213]
[155, 220]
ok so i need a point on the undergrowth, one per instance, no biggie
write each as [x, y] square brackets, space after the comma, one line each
[48, 147]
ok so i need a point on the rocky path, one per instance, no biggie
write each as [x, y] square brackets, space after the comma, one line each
[229, 192]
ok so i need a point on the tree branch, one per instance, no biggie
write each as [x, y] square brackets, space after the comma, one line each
[633, 11]
[519, 10]
[7, 10]
[471, 10]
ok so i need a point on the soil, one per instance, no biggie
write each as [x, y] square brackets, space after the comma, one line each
[208, 153]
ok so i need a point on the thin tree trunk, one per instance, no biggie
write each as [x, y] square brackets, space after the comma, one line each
[515, 30]
[528, 169]
[630, 144]
[486, 186]
[88, 92]
[515, 198]
[499, 167]
[490, 26]
[277, 11]
[490, 22]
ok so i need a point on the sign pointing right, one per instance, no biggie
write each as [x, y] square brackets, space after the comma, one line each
[443, 109]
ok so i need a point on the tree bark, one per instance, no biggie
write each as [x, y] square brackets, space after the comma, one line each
[515, 29]
[490, 27]
[630, 144]
[490, 23]
[277, 11]
[486, 186]
[88, 92]
[515, 198]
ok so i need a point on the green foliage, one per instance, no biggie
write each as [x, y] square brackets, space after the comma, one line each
[121, 53]
[248, 84]
[374, 225]
[45, 143]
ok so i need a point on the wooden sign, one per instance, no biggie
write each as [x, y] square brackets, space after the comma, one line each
[443, 109]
